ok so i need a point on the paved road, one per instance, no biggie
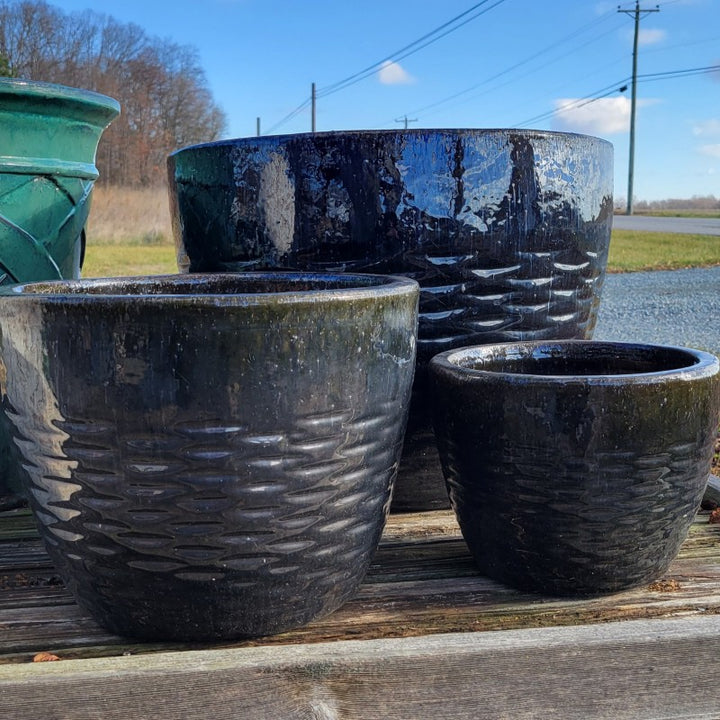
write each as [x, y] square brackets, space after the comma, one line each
[690, 226]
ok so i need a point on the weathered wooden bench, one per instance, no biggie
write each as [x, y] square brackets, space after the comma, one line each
[427, 636]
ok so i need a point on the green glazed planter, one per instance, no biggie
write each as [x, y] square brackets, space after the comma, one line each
[48, 140]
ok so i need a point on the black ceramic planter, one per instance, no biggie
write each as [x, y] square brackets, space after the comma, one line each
[210, 456]
[506, 231]
[575, 467]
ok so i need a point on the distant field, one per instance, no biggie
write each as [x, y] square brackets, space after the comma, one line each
[129, 233]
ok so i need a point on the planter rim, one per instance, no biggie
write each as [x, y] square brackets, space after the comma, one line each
[699, 363]
[20, 88]
[178, 289]
[47, 166]
[410, 132]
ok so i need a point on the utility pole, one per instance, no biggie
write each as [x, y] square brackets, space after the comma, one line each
[631, 163]
[313, 98]
[406, 120]
[257, 126]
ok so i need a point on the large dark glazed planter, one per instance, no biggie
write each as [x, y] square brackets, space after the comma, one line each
[48, 138]
[576, 467]
[506, 231]
[210, 456]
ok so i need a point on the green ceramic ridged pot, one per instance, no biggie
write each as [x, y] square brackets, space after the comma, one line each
[48, 139]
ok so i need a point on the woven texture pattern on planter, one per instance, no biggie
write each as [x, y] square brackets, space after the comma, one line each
[620, 504]
[204, 502]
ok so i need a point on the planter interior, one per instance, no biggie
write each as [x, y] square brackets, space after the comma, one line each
[576, 467]
[210, 457]
[506, 231]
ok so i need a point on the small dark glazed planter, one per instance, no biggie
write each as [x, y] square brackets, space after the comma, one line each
[506, 231]
[210, 457]
[575, 467]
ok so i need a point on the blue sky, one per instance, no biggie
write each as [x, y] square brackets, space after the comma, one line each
[502, 63]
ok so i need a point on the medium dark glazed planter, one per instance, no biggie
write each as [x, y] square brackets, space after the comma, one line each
[48, 138]
[575, 467]
[210, 457]
[506, 231]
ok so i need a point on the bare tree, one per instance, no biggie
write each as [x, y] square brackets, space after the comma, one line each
[163, 91]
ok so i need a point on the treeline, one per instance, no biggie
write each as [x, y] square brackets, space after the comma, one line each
[696, 202]
[166, 103]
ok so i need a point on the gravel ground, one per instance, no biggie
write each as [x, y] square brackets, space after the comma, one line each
[674, 307]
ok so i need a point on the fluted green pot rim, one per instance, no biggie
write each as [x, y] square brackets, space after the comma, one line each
[74, 99]
[49, 129]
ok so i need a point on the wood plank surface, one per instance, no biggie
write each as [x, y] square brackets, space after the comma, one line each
[414, 642]
[636, 669]
[422, 581]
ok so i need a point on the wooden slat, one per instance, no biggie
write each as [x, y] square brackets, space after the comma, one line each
[426, 636]
[422, 582]
[17, 524]
[636, 669]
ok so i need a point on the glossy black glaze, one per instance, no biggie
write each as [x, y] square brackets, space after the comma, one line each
[575, 467]
[210, 456]
[506, 231]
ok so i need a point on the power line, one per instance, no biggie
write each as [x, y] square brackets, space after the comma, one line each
[664, 48]
[706, 70]
[580, 102]
[527, 60]
[413, 47]
[289, 116]
[422, 42]
[621, 86]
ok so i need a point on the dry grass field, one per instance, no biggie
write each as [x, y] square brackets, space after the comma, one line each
[129, 233]
[129, 216]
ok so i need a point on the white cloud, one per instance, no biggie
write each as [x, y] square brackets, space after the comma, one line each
[712, 151]
[707, 127]
[392, 73]
[605, 116]
[650, 36]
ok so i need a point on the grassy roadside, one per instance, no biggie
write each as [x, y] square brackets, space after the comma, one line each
[632, 250]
